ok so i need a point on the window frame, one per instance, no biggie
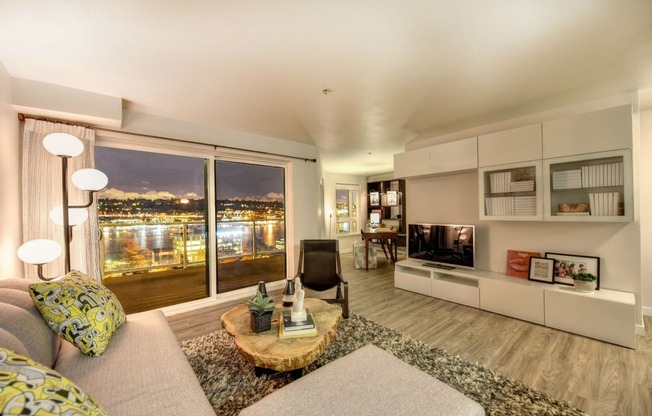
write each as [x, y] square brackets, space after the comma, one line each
[350, 218]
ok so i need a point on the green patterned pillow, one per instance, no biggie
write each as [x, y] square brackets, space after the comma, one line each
[30, 388]
[79, 309]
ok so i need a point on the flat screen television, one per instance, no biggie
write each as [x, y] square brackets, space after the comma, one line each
[442, 245]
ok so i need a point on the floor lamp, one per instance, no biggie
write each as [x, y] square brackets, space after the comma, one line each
[42, 251]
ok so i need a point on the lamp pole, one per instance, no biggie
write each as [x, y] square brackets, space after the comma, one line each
[66, 219]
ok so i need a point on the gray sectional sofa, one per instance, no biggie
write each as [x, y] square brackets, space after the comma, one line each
[142, 372]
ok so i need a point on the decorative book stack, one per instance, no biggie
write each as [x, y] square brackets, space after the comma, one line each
[567, 179]
[289, 329]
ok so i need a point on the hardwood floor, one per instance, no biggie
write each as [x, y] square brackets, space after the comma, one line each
[599, 378]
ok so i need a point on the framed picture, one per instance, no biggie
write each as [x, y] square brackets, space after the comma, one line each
[392, 198]
[374, 198]
[566, 265]
[542, 270]
[518, 263]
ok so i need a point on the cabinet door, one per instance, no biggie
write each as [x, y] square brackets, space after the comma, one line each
[592, 187]
[412, 163]
[611, 320]
[454, 156]
[511, 192]
[519, 300]
[605, 130]
[510, 146]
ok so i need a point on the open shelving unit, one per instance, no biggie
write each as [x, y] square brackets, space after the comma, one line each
[597, 185]
[511, 192]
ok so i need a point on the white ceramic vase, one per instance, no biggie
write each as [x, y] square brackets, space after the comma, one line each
[584, 286]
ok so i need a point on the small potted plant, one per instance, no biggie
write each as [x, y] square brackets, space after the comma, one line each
[584, 282]
[260, 312]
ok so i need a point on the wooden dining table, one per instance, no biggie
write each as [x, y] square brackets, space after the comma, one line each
[388, 240]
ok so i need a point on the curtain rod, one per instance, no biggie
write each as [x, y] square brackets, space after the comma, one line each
[22, 117]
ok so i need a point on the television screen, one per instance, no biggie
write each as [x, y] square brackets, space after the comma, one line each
[443, 245]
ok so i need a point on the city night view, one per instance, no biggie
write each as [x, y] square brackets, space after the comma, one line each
[153, 212]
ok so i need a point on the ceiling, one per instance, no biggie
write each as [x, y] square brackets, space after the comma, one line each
[394, 71]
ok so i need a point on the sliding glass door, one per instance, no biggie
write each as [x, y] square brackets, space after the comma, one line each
[155, 228]
[250, 222]
[153, 223]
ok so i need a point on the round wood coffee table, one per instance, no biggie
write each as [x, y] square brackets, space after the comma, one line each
[265, 350]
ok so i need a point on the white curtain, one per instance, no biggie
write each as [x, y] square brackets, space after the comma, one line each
[41, 190]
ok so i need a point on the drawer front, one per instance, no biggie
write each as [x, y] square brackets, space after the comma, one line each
[412, 282]
[519, 301]
[455, 292]
[595, 318]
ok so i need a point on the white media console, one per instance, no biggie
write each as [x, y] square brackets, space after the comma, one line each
[604, 314]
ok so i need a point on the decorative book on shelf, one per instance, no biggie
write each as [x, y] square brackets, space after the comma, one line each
[289, 329]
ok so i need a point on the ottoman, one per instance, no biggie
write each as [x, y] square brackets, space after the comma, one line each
[369, 381]
[358, 255]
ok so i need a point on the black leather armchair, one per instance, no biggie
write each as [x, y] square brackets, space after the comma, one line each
[320, 269]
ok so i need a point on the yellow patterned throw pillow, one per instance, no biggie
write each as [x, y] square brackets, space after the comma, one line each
[80, 309]
[29, 388]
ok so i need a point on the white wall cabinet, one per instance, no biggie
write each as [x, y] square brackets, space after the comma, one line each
[606, 315]
[457, 156]
[598, 131]
[413, 163]
[510, 146]
[590, 187]
[573, 169]
[511, 192]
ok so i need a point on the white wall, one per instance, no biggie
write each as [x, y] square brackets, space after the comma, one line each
[63, 103]
[10, 197]
[330, 181]
[645, 175]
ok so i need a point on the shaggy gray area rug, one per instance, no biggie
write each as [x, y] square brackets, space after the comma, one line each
[231, 385]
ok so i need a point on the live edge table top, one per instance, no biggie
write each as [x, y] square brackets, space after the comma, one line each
[267, 350]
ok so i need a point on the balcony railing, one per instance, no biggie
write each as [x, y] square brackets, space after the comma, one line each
[139, 247]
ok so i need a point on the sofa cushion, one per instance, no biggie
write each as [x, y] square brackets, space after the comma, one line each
[18, 284]
[80, 309]
[144, 372]
[28, 388]
[368, 381]
[22, 327]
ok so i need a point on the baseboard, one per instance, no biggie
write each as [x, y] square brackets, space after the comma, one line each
[647, 310]
[640, 329]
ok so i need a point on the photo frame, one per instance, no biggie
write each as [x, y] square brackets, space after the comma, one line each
[542, 270]
[568, 264]
[518, 263]
[374, 198]
[392, 198]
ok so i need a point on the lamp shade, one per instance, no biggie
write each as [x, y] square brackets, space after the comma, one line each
[76, 216]
[63, 144]
[89, 179]
[39, 251]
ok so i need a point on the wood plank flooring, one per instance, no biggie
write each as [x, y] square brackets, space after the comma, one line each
[599, 378]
